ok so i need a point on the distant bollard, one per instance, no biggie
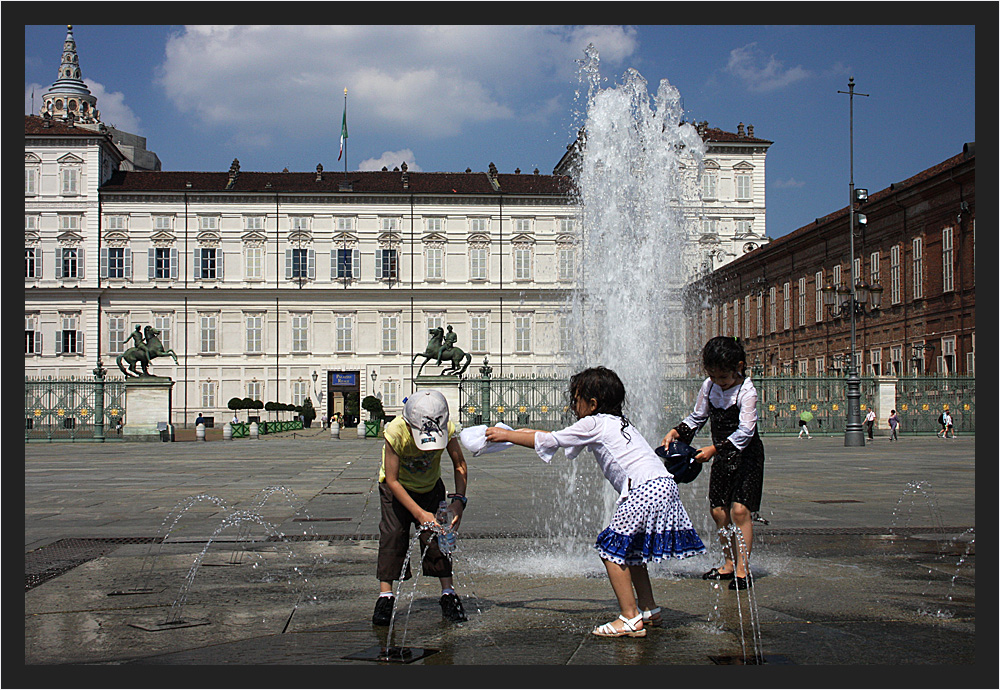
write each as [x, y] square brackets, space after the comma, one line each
[227, 431]
[253, 430]
[361, 429]
[334, 430]
[199, 432]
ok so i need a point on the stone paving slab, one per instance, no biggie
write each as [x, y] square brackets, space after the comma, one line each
[868, 559]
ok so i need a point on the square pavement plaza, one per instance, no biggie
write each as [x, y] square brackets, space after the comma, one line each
[262, 553]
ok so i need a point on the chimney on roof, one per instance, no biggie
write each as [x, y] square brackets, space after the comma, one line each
[234, 172]
[492, 176]
[739, 130]
[405, 176]
[536, 171]
[750, 131]
[319, 172]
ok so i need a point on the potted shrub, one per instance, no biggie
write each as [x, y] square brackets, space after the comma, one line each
[308, 413]
[375, 414]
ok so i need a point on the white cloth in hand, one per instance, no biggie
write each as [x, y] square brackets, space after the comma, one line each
[474, 440]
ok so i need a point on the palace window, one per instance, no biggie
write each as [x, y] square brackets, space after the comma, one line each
[32, 262]
[208, 341]
[522, 333]
[208, 263]
[208, 394]
[567, 262]
[947, 260]
[918, 268]
[478, 325]
[254, 333]
[434, 262]
[32, 335]
[386, 263]
[300, 264]
[345, 333]
[478, 261]
[253, 262]
[390, 333]
[819, 296]
[300, 333]
[116, 262]
[117, 332]
[709, 185]
[69, 262]
[164, 324]
[69, 340]
[162, 263]
[743, 187]
[522, 262]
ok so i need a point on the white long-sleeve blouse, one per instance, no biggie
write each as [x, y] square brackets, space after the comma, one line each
[744, 394]
[625, 462]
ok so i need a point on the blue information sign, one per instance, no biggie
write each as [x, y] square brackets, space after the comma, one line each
[338, 378]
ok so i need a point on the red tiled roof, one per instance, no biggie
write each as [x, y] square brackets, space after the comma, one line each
[33, 124]
[715, 134]
[357, 182]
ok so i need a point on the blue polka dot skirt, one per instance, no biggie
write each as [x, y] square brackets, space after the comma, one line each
[649, 525]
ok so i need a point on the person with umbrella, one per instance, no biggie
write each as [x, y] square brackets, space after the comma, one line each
[804, 420]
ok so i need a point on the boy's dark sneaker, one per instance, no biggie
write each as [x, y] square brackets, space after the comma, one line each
[451, 608]
[383, 610]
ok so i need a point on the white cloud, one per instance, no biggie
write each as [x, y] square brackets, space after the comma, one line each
[790, 183]
[391, 160]
[418, 82]
[760, 73]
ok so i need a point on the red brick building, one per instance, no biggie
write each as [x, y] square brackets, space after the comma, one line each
[917, 242]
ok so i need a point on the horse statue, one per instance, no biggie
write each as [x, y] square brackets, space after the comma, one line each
[147, 347]
[442, 348]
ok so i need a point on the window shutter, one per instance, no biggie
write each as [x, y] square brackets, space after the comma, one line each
[127, 268]
[79, 342]
[104, 263]
[38, 342]
[356, 264]
[38, 262]
[151, 252]
[288, 264]
[173, 264]
[197, 263]
[79, 263]
[218, 263]
[333, 264]
[59, 342]
[378, 264]
[312, 264]
[59, 265]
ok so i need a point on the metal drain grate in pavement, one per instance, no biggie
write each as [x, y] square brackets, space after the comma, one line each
[52, 560]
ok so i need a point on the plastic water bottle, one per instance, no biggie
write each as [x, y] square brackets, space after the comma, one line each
[446, 537]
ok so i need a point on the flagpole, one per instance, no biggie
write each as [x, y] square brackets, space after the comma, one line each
[344, 132]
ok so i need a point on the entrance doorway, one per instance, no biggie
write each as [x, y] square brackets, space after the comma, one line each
[344, 396]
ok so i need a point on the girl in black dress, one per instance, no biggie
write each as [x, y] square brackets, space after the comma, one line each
[729, 399]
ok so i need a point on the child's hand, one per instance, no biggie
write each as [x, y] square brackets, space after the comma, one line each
[705, 454]
[672, 435]
[496, 434]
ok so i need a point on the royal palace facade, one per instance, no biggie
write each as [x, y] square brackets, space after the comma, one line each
[293, 285]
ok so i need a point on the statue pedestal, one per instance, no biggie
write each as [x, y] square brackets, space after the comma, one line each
[448, 387]
[147, 405]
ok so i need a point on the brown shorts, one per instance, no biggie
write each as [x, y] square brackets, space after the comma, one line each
[394, 536]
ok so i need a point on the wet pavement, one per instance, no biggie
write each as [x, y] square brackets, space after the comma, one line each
[252, 553]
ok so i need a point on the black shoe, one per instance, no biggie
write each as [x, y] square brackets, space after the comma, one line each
[383, 610]
[451, 608]
[741, 583]
[714, 574]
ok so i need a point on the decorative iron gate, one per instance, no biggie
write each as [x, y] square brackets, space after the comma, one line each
[67, 409]
[543, 403]
[920, 401]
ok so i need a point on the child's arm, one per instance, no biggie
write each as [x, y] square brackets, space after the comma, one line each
[520, 437]
[461, 478]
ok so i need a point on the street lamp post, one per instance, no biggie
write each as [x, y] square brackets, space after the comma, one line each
[853, 434]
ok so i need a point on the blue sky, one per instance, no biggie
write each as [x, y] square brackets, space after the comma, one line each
[447, 98]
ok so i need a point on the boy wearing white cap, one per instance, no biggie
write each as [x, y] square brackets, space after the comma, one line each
[410, 489]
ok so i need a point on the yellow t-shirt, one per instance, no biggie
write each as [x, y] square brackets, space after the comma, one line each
[419, 470]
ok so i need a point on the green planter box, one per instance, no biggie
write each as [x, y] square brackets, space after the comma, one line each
[371, 429]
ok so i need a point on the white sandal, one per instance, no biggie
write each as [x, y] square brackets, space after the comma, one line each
[609, 630]
[652, 617]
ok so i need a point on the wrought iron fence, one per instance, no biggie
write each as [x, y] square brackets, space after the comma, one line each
[543, 403]
[921, 400]
[67, 409]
